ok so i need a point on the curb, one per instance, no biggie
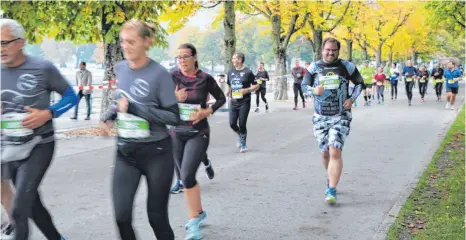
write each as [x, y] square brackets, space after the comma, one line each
[392, 215]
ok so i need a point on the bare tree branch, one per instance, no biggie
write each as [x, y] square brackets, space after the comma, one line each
[211, 6]
[339, 20]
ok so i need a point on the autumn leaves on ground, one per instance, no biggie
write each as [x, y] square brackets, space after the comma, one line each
[435, 209]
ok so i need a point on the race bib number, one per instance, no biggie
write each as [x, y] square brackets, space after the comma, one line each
[330, 82]
[451, 81]
[130, 126]
[408, 79]
[259, 81]
[236, 94]
[11, 125]
[187, 109]
[422, 80]
[379, 83]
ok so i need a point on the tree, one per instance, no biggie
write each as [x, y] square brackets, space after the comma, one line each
[450, 13]
[230, 36]
[323, 17]
[92, 22]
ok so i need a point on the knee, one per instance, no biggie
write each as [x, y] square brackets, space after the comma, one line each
[123, 215]
[326, 156]
[334, 153]
[234, 126]
[189, 179]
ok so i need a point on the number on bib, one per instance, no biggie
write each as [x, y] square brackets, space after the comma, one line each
[186, 110]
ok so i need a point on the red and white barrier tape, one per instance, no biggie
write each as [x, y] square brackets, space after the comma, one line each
[105, 85]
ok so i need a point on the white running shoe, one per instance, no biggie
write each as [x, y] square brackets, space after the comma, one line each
[448, 105]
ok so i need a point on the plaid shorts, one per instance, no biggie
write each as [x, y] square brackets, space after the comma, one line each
[331, 130]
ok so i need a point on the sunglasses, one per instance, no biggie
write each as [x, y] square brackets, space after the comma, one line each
[5, 43]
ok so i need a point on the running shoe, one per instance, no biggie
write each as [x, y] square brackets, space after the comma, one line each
[192, 230]
[331, 196]
[257, 110]
[209, 170]
[8, 232]
[177, 188]
[202, 217]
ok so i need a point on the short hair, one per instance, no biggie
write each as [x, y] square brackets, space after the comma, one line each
[16, 29]
[83, 63]
[144, 29]
[262, 63]
[240, 55]
[331, 40]
[452, 62]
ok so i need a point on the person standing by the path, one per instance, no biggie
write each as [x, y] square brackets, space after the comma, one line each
[83, 79]
[328, 80]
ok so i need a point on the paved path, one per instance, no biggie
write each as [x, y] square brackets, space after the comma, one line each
[276, 190]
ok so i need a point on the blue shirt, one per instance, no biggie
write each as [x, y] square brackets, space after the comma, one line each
[450, 76]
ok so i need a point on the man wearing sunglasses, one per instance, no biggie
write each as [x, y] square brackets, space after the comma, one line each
[27, 130]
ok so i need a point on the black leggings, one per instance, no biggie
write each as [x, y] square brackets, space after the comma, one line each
[394, 88]
[188, 153]
[177, 170]
[422, 89]
[409, 89]
[261, 92]
[296, 89]
[240, 113]
[27, 176]
[438, 89]
[154, 160]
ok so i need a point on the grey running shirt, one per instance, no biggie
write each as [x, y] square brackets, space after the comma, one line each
[151, 95]
[30, 84]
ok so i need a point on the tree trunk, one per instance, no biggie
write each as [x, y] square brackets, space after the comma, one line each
[378, 55]
[230, 37]
[112, 54]
[414, 57]
[390, 57]
[349, 46]
[280, 81]
[317, 37]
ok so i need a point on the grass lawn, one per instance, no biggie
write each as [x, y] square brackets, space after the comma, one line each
[435, 209]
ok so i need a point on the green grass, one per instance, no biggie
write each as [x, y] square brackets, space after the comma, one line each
[435, 209]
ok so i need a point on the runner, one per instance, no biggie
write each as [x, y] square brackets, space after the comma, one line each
[452, 76]
[328, 80]
[262, 76]
[241, 83]
[394, 76]
[28, 142]
[423, 78]
[437, 75]
[191, 137]
[409, 72]
[298, 74]
[146, 104]
[367, 74]
[379, 82]
[386, 70]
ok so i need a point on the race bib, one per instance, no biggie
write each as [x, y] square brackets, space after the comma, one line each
[298, 75]
[330, 82]
[236, 94]
[422, 80]
[130, 126]
[408, 79]
[259, 81]
[11, 125]
[379, 83]
[187, 109]
[451, 81]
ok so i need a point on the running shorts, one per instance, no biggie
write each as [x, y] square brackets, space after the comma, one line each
[331, 130]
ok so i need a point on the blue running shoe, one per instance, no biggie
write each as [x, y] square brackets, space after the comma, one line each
[243, 148]
[238, 143]
[192, 230]
[63, 238]
[331, 196]
[177, 188]
[202, 217]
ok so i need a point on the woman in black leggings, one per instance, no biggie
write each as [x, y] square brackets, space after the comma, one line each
[192, 136]
[241, 83]
[146, 105]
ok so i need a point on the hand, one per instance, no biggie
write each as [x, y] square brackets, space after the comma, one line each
[180, 94]
[201, 114]
[36, 118]
[319, 90]
[123, 104]
[105, 127]
[244, 91]
[347, 104]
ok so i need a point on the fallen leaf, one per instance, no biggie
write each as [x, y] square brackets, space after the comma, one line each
[420, 222]
[410, 225]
